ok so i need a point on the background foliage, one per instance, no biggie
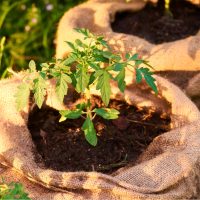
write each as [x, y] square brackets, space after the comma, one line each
[29, 28]
[12, 190]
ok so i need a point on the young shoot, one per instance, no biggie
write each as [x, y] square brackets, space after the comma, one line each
[90, 64]
[167, 8]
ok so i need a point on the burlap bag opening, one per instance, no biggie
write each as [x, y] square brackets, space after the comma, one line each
[169, 168]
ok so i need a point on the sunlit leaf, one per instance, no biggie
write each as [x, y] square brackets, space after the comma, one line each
[107, 113]
[71, 59]
[104, 86]
[39, 90]
[70, 114]
[121, 80]
[22, 95]
[138, 75]
[62, 85]
[134, 57]
[32, 66]
[82, 79]
[71, 45]
[147, 74]
[89, 131]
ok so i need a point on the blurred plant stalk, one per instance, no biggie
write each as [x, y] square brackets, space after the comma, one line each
[2, 43]
[167, 8]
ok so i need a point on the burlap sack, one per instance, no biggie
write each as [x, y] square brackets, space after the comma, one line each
[195, 2]
[169, 169]
[97, 15]
[193, 89]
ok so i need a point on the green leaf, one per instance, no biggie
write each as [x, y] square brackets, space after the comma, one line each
[138, 62]
[32, 66]
[104, 86]
[103, 42]
[147, 74]
[94, 66]
[110, 68]
[116, 67]
[107, 54]
[98, 73]
[22, 95]
[100, 58]
[71, 59]
[81, 106]
[73, 78]
[71, 45]
[44, 66]
[80, 43]
[82, 79]
[127, 56]
[84, 31]
[138, 75]
[119, 66]
[148, 65]
[89, 131]
[70, 114]
[107, 113]
[61, 67]
[62, 86]
[134, 57]
[42, 74]
[100, 55]
[12, 191]
[39, 90]
[92, 78]
[62, 119]
[54, 73]
[120, 78]
[116, 58]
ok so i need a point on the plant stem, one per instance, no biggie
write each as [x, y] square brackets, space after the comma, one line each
[88, 97]
[2, 43]
[167, 2]
[167, 8]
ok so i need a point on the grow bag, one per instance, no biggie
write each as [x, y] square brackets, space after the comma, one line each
[97, 15]
[168, 169]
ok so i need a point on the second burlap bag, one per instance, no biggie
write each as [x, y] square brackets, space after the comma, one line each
[97, 16]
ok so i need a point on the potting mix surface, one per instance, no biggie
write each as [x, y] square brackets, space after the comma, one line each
[154, 25]
[178, 77]
[63, 147]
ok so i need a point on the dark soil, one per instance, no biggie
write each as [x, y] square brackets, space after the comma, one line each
[180, 77]
[152, 24]
[63, 147]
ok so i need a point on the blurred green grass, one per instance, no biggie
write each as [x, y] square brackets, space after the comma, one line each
[29, 28]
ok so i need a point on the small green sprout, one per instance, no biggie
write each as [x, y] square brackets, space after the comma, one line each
[95, 66]
[12, 190]
[167, 8]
